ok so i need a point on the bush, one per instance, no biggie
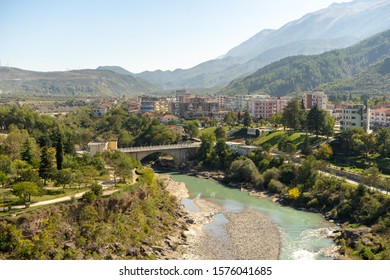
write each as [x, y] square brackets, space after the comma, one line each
[276, 186]
[270, 174]
[294, 193]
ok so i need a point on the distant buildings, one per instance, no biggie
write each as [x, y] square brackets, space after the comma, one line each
[315, 98]
[195, 107]
[99, 112]
[380, 117]
[168, 118]
[94, 147]
[152, 104]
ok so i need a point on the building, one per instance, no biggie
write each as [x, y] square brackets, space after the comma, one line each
[153, 104]
[318, 98]
[94, 147]
[168, 118]
[99, 112]
[265, 106]
[354, 116]
[380, 117]
[195, 107]
[132, 105]
[182, 96]
[176, 129]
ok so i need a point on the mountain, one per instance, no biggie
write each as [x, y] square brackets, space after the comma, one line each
[374, 81]
[115, 69]
[303, 73]
[338, 26]
[77, 82]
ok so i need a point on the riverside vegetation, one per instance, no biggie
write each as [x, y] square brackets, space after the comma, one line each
[142, 221]
[38, 150]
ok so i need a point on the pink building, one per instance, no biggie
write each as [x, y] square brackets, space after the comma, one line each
[266, 107]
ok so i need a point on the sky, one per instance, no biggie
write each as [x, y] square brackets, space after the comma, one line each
[138, 35]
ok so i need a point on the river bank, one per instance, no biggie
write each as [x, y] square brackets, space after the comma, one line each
[246, 234]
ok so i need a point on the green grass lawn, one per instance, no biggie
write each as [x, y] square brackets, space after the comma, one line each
[207, 130]
[359, 165]
[8, 199]
[297, 138]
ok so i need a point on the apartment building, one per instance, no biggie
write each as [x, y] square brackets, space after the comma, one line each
[354, 116]
[194, 108]
[380, 117]
[318, 98]
[265, 106]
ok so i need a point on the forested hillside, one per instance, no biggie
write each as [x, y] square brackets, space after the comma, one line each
[374, 81]
[303, 73]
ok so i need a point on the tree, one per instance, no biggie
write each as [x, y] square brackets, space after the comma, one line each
[45, 166]
[244, 170]
[220, 155]
[324, 151]
[372, 177]
[3, 179]
[292, 115]
[275, 119]
[220, 133]
[206, 146]
[13, 144]
[230, 118]
[383, 142]
[125, 138]
[24, 190]
[328, 129]
[59, 145]
[307, 172]
[6, 165]
[63, 177]
[30, 151]
[386, 184]
[247, 120]
[192, 129]
[306, 149]
[369, 143]
[316, 120]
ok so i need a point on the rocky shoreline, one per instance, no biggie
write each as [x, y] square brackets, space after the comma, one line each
[248, 234]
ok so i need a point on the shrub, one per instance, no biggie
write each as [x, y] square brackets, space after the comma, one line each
[276, 186]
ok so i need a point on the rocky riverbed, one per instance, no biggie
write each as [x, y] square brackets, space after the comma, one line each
[246, 235]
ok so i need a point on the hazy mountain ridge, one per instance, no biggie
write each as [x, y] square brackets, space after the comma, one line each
[302, 73]
[338, 26]
[76, 82]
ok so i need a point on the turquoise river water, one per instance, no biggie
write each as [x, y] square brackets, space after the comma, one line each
[303, 233]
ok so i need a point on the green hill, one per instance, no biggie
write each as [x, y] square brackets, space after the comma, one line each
[305, 73]
[76, 83]
[374, 81]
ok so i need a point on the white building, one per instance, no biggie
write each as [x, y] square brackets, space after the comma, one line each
[354, 116]
[99, 112]
[380, 117]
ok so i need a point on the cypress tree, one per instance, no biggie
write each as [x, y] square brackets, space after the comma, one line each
[59, 145]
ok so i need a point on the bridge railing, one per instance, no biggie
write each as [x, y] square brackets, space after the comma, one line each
[159, 147]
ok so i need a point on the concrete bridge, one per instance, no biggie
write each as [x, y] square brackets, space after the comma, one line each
[180, 152]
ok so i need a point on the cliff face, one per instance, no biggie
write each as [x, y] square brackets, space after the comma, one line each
[143, 223]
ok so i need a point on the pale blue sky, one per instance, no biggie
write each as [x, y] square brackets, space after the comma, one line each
[48, 35]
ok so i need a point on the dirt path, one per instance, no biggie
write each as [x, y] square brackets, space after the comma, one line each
[106, 191]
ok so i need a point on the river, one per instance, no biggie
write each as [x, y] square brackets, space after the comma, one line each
[304, 234]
